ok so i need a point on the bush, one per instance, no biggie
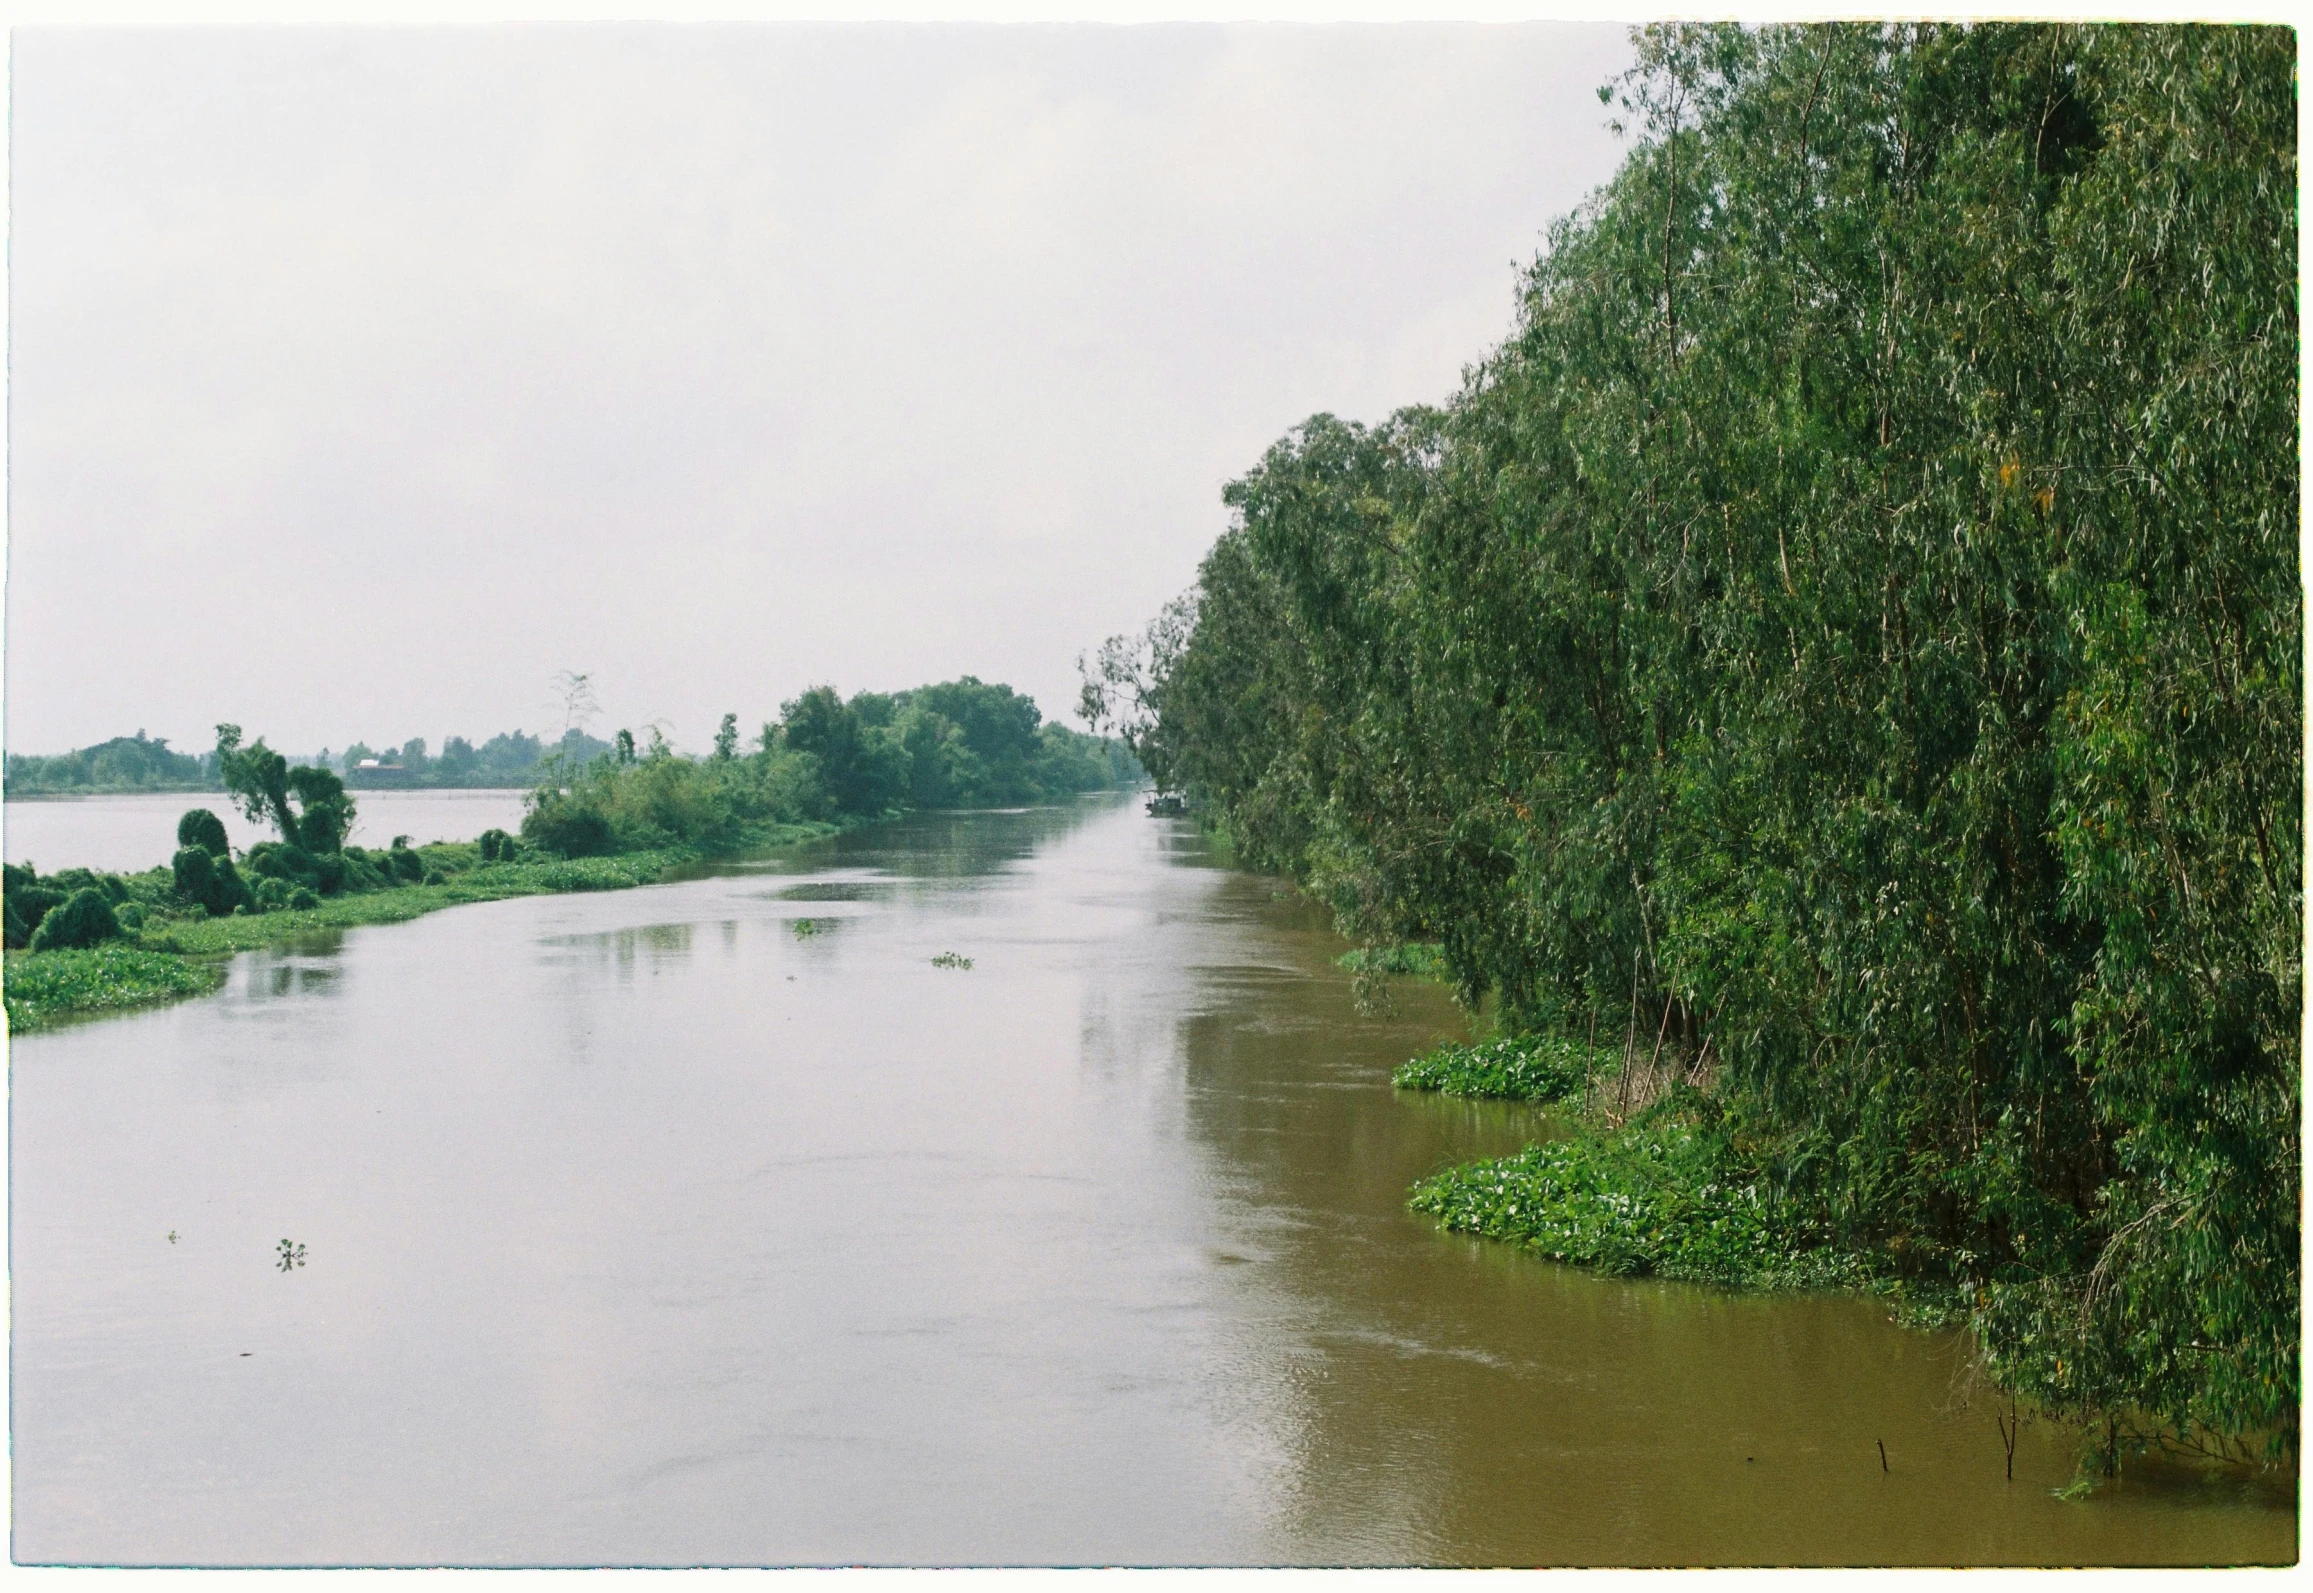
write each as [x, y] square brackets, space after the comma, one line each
[497, 846]
[279, 860]
[302, 900]
[567, 829]
[404, 863]
[109, 886]
[130, 916]
[30, 906]
[84, 920]
[202, 828]
[211, 883]
[272, 895]
[434, 876]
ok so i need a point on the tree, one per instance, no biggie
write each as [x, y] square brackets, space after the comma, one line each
[262, 782]
[864, 767]
[727, 739]
[1851, 628]
[575, 691]
[1124, 686]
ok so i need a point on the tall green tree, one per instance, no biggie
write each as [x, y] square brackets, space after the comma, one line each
[1849, 634]
[308, 806]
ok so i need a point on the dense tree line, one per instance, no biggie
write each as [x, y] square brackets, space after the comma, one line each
[1849, 634]
[125, 763]
[962, 743]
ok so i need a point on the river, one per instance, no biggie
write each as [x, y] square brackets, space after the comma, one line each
[127, 834]
[715, 1223]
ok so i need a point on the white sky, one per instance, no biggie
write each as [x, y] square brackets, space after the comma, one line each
[361, 380]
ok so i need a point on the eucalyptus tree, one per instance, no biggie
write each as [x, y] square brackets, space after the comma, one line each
[1849, 633]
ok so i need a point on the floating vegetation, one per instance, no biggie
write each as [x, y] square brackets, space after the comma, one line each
[289, 1253]
[805, 928]
[948, 959]
[834, 891]
[45, 987]
[1661, 1197]
[1531, 1067]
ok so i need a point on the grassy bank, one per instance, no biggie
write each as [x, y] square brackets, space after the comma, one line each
[172, 955]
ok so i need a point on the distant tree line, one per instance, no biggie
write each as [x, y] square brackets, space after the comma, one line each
[1848, 636]
[962, 743]
[510, 759]
[142, 763]
[125, 763]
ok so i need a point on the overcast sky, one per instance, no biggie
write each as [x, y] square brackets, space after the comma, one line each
[362, 380]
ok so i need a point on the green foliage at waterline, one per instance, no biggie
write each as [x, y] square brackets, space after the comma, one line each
[1661, 1197]
[1529, 1067]
[1848, 638]
[47, 988]
[169, 946]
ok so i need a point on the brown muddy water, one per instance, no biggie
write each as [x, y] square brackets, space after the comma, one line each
[714, 1224]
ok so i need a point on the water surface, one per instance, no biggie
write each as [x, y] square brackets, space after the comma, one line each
[130, 833]
[713, 1223]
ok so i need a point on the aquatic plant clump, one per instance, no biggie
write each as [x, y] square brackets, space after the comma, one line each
[949, 959]
[1660, 1199]
[1513, 1068]
[51, 985]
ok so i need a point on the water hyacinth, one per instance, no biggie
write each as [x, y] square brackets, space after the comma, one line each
[1513, 1068]
[1653, 1200]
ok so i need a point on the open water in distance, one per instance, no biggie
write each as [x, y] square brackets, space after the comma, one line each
[128, 834]
[657, 1227]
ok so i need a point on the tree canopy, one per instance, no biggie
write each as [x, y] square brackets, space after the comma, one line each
[1851, 629]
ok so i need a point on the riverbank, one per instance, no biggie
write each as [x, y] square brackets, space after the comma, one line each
[1646, 1177]
[1658, 1189]
[172, 956]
